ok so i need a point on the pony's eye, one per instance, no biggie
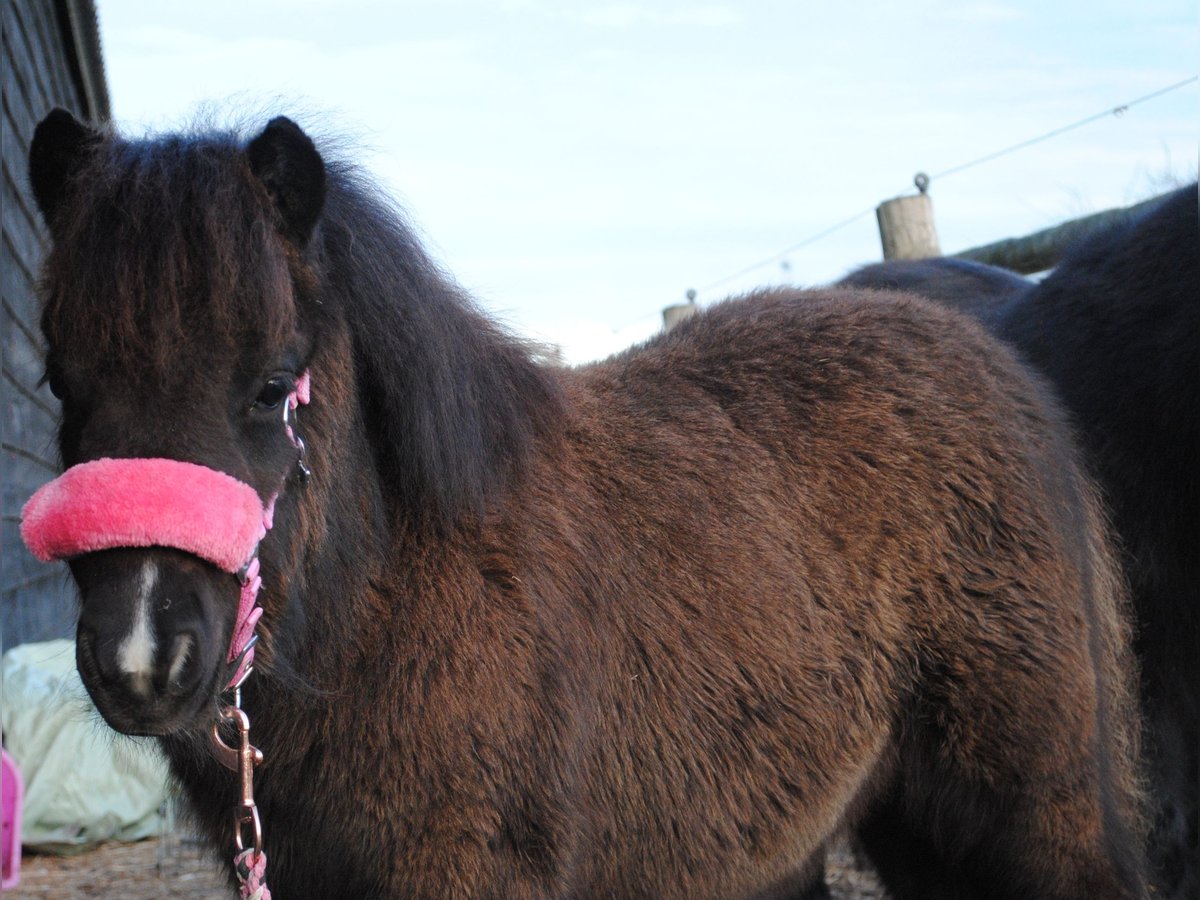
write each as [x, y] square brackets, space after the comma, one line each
[54, 380]
[273, 393]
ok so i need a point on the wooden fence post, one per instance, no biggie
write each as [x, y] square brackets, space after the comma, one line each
[673, 315]
[906, 227]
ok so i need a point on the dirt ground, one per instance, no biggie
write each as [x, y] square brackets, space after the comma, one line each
[147, 870]
[179, 869]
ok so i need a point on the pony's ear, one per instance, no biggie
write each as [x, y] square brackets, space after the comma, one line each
[285, 160]
[61, 145]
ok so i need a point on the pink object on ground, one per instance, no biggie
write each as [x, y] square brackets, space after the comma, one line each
[110, 503]
[12, 793]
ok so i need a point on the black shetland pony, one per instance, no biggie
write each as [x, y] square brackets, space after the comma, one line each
[1116, 328]
[970, 287]
[656, 627]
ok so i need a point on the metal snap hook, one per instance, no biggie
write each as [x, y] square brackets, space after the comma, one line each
[247, 816]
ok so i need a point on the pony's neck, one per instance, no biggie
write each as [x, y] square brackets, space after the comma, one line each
[431, 415]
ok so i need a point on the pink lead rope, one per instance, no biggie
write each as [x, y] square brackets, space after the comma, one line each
[251, 868]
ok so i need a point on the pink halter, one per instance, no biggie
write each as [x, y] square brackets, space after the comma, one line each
[109, 503]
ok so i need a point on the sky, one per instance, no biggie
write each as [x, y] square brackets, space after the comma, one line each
[578, 166]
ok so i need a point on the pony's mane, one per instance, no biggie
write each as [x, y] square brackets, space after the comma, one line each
[452, 400]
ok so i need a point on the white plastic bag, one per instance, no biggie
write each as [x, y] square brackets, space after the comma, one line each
[84, 782]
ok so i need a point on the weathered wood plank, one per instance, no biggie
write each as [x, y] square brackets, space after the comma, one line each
[42, 611]
[1043, 249]
[36, 601]
[23, 346]
[32, 53]
[22, 232]
[45, 28]
[29, 425]
[14, 144]
[35, 400]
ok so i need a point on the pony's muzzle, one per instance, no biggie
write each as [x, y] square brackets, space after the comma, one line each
[140, 666]
[158, 625]
[151, 634]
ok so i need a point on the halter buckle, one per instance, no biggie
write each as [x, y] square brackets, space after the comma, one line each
[301, 466]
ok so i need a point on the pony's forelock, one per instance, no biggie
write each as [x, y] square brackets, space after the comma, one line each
[160, 239]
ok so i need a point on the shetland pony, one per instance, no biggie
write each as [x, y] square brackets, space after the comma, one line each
[970, 287]
[655, 627]
[1116, 328]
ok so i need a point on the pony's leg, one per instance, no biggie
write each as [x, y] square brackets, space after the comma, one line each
[1174, 769]
[811, 887]
[1011, 807]
[907, 863]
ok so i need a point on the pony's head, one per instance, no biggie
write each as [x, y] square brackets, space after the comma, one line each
[179, 328]
[193, 284]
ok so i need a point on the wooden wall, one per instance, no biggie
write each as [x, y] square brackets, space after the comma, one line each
[41, 58]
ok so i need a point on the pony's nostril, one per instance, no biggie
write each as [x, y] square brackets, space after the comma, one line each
[85, 653]
[96, 659]
[180, 653]
[180, 664]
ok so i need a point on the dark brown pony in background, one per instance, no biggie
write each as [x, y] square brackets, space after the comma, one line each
[983, 292]
[1116, 329]
[655, 627]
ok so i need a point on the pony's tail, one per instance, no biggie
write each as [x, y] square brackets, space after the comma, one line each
[1120, 722]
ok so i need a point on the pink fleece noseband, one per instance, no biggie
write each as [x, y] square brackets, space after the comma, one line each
[109, 503]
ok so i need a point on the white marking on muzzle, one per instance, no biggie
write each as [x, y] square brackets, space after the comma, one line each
[136, 653]
[183, 649]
